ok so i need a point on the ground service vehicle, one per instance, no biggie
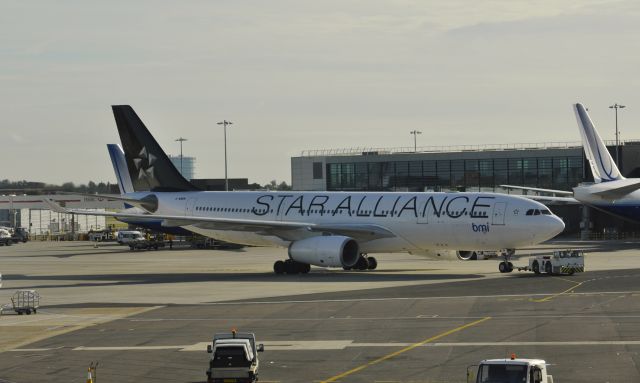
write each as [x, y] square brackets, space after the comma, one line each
[20, 234]
[234, 358]
[509, 371]
[148, 244]
[5, 237]
[25, 302]
[126, 236]
[560, 262]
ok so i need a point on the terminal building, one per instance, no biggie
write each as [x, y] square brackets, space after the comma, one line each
[559, 166]
[185, 165]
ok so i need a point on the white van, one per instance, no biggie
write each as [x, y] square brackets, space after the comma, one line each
[128, 236]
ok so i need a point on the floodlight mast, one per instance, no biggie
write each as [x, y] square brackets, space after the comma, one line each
[224, 123]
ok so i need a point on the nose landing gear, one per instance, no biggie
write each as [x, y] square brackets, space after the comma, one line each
[506, 266]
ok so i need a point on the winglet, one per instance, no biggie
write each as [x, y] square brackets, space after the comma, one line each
[603, 167]
[53, 205]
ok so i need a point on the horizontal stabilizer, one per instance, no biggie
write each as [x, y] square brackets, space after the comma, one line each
[625, 187]
[148, 203]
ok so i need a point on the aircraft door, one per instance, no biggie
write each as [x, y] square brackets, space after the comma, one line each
[498, 213]
[190, 207]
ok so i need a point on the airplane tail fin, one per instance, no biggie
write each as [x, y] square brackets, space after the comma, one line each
[149, 167]
[603, 167]
[120, 168]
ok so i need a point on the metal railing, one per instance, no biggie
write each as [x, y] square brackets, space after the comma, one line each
[363, 151]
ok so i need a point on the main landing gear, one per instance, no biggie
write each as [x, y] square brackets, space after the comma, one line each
[506, 266]
[364, 263]
[290, 266]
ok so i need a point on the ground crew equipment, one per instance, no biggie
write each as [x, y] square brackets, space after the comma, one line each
[509, 370]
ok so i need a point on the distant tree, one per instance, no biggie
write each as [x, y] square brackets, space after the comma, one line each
[68, 187]
[274, 185]
[103, 188]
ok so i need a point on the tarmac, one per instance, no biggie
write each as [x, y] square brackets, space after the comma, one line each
[146, 316]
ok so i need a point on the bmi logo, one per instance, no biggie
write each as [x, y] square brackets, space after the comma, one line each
[484, 228]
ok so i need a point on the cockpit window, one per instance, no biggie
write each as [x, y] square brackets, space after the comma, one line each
[538, 212]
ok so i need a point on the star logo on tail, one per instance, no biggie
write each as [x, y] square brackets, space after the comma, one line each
[145, 165]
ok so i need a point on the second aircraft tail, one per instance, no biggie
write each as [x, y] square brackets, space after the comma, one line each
[119, 163]
[603, 166]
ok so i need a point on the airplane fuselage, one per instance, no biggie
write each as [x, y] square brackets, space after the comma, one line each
[419, 221]
[625, 206]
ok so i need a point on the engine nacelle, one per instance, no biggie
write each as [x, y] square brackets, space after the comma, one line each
[326, 251]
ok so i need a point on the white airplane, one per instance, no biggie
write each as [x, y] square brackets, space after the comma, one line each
[610, 192]
[326, 229]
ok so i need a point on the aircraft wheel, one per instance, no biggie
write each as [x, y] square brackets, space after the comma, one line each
[510, 267]
[373, 263]
[305, 268]
[292, 267]
[503, 267]
[535, 267]
[346, 268]
[362, 263]
[279, 267]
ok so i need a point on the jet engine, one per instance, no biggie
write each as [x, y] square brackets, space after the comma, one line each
[326, 251]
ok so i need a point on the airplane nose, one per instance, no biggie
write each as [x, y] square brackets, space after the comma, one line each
[556, 227]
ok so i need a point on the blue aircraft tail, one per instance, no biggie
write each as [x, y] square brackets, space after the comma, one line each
[603, 166]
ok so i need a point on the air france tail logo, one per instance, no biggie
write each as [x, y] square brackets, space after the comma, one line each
[482, 228]
[144, 164]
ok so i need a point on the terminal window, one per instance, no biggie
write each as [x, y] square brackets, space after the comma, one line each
[317, 170]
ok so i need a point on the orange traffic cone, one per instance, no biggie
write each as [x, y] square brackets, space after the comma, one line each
[89, 377]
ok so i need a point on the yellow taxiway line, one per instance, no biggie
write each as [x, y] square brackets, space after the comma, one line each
[550, 297]
[408, 348]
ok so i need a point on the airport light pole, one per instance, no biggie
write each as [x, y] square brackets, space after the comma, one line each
[617, 106]
[415, 139]
[181, 140]
[226, 179]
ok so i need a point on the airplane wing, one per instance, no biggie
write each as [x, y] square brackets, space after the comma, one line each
[539, 190]
[547, 200]
[283, 230]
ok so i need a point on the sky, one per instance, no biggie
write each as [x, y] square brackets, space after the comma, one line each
[295, 75]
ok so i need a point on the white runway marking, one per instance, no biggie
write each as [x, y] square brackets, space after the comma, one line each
[301, 345]
[387, 318]
[415, 298]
